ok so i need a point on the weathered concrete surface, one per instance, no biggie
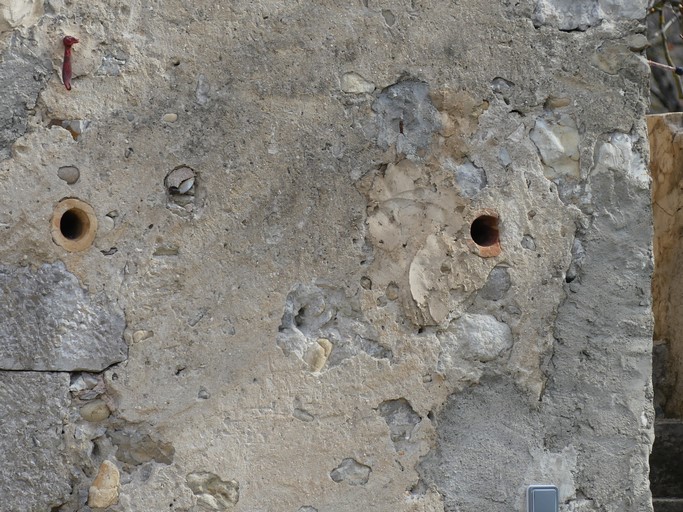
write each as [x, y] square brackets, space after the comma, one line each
[285, 195]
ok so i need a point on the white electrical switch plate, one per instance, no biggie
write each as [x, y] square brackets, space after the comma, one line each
[542, 498]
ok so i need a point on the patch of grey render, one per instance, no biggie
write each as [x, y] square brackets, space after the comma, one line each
[313, 312]
[580, 15]
[495, 459]
[486, 436]
[23, 74]
[599, 394]
[406, 117]
[401, 419]
[51, 323]
[34, 472]
[352, 472]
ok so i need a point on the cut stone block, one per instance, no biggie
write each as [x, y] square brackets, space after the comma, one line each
[34, 474]
[51, 323]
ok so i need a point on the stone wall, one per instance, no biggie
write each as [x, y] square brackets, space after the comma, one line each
[324, 256]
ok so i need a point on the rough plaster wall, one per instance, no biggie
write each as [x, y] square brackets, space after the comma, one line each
[310, 326]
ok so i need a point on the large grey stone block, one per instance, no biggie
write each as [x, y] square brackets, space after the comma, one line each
[34, 474]
[49, 322]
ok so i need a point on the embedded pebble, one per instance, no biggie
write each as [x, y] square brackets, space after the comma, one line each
[355, 84]
[180, 180]
[138, 336]
[170, 118]
[166, 250]
[203, 394]
[69, 173]
[352, 472]
[185, 185]
[76, 126]
[107, 223]
[104, 491]
[637, 42]
[302, 415]
[95, 411]
[497, 284]
[389, 17]
[528, 242]
[392, 291]
[317, 355]
[83, 381]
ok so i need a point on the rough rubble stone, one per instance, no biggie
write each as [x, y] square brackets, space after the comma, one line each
[104, 491]
[351, 472]
[212, 492]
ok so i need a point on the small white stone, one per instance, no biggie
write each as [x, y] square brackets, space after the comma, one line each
[170, 118]
[77, 384]
[186, 185]
[178, 179]
[139, 336]
[355, 84]
[107, 223]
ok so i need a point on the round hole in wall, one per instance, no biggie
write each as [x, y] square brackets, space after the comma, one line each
[74, 224]
[484, 239]
[484, 231]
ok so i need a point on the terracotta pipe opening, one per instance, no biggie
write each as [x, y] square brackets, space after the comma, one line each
[73, 225]
[484, 231]
[485, 234]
